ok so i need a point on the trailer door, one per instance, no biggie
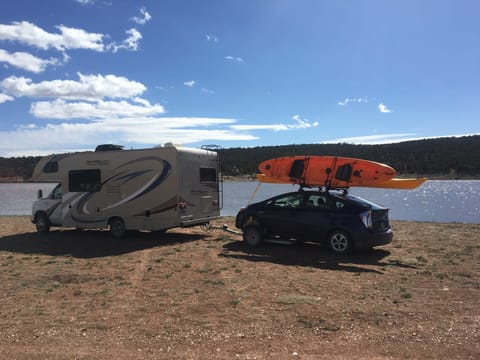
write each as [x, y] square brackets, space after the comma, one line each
[198, 186]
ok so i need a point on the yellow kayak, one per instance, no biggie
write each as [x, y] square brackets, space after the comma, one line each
[395, 183]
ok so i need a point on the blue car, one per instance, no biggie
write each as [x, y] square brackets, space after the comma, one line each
[337, 219]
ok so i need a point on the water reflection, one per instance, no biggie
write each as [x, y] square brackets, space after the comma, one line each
[438, 201]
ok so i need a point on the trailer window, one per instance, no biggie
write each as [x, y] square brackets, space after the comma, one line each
[84, 180]
[208, 175]
[51, 167]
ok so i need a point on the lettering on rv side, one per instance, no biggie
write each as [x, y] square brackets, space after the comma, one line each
[97, 162]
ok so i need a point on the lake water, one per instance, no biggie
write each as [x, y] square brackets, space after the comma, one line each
[437, 201]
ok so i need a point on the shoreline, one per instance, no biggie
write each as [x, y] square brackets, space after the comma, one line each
[232, 219]
[251, 178]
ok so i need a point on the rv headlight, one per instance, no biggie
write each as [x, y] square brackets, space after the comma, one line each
[182, 205]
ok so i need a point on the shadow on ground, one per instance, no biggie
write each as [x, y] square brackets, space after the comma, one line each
[89, 243]
[313, 255]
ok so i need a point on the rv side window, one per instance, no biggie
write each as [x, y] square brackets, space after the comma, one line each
[208, 175]
[51, 167]
[84, 180]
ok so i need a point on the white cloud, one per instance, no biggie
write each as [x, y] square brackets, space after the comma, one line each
[61, 109]
[272, 127]
[146, 17]
[212, 38]
[89, 87]
[4, 98]
[85, 2]
[347, 101]
[383, 108]
[208, 91]
[26, 61]
[190, 83]
[69, 38]
[143, 131]
[388, 138]
[374, 139]
[302, 123]
[234, 58]
[299, 124]
[130, 43]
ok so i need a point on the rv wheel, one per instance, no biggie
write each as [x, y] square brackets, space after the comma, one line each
[117, 228]
[41, 223]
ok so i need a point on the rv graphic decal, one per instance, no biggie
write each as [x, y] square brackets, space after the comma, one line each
[159, 176]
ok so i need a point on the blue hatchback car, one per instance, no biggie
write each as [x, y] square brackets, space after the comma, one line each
[341, 221]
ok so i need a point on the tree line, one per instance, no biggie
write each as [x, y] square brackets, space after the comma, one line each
[443, 157]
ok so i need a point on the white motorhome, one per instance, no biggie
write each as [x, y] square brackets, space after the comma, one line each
[147, 189]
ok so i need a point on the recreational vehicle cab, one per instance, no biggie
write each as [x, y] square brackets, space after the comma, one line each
[147, 189]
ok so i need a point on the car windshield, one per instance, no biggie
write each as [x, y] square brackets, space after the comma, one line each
[287, 200]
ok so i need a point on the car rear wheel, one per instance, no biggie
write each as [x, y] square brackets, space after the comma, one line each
[252, 235]
[340, 242]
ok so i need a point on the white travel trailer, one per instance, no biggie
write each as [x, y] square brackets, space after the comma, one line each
[147, 189]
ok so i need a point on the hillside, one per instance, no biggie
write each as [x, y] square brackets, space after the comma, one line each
[453, 158]
[441, 158]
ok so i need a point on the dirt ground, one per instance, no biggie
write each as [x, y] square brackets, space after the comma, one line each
[203, 294]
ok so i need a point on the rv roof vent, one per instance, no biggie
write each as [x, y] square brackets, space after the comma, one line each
[108, 147]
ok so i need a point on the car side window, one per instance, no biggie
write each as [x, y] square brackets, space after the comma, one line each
[318, 201]
[290, 201]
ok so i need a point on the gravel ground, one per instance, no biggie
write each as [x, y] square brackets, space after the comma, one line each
[203, 294]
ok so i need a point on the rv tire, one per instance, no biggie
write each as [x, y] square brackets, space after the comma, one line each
[42, 223]
[117, 227]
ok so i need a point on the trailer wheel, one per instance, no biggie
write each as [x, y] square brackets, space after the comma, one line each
[252, 235]
[42, 223]
[117, 227]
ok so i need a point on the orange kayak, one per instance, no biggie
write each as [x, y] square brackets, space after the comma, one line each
[406, 184]
[329, 171]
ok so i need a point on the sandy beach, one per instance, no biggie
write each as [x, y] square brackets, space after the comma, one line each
[203, 294]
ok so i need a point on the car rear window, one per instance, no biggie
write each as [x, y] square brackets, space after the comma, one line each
[364, 202]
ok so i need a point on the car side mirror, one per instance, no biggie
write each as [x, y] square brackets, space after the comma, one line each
[39, 194]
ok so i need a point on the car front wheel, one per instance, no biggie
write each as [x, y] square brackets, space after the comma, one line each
[340, 242]
[252, 235]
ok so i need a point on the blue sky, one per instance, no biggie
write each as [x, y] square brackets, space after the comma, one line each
[77, 73]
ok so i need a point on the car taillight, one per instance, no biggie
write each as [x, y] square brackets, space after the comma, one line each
[366, 217]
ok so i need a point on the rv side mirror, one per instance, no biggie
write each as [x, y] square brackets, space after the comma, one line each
[39, 194]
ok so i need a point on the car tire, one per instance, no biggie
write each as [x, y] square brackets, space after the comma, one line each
[117, 228]
[340, 242]
[252, 235]
[42, 223]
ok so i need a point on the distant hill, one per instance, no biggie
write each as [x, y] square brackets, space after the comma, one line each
[451, 158]
[17, 169]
